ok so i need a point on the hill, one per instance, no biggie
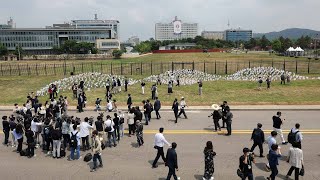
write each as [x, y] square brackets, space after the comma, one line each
[292, 33]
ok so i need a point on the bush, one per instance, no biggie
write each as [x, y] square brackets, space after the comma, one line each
[117, 54]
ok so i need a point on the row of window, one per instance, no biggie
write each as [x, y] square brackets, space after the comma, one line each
[109, 44]
[26, 38]
[29, 44]
[7, 33]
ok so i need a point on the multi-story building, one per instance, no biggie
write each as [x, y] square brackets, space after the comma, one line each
[238, 35]
[215, 35]
[42, 40]
[175, 30]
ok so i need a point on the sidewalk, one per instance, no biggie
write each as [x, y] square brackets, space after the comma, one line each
[208, 108]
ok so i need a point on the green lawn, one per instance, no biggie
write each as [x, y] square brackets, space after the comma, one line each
[15, 89]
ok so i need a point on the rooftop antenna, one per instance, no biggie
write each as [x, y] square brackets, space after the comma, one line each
[95, 17]
[228, 24]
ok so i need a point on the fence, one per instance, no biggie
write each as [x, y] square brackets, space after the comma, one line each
[212, 67]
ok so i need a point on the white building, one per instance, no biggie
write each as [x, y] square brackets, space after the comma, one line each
[215, 35]
[175, 30]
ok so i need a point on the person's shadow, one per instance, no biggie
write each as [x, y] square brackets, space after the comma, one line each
[134, 145]
[198, 176]
[261, 166]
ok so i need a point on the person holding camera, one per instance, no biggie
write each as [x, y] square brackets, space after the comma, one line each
[245, 164]
[96, 149]
[274, 155]
[216, 115]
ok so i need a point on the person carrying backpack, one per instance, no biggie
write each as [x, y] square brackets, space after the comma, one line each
[74, 143]
[295, 136]
[258, 138]
[109, 124]
[96, 149]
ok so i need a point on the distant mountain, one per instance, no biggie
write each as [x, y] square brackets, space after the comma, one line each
[292, 33]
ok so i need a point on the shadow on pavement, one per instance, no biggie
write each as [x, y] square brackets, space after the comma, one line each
[260, 178]
[284, 158]
[281, 176]
[134, 145]
[198, 177]
[261, 166]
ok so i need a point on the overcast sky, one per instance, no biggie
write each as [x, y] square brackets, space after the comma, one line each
[137, 17]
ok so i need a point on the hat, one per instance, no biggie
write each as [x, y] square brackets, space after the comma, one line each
[215, 107]
[182, 97]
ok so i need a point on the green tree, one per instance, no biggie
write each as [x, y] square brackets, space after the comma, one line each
[276, 45]
[143, 47]
[19, 52]
[264, 42]
[3, 50]
[117, 53]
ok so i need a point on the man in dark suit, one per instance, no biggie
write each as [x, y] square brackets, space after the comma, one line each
[129, 102]
[175, 108]
[258, 139]
[172, 162]
[157, 106]
[80, 103]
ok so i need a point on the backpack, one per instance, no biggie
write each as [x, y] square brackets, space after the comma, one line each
[121, 120]
[74, 140]
[108, 128]
[87, 157]
[292, 137]
[256, 135]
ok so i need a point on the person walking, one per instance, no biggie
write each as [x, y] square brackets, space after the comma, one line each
[96, 149]
[107, 87]
[209, 154]
[295, 136]
[271, 140]
[158, 80]
[119, 85]
[268, 82]
[170, 87]
[175, 108]
[147, 111]
[139, 133]
[153, 91]
[157, 107]
[178, 81]
[74, 143]
[283, 78]
[84, 133]
[126, 82]
[245, 164]
[56, 137]
[200, 87]
[258, 139]
[129, 102]
[216, 115]
[6, 129]
[277, 123]
[30, 141]
[130, 122]
[274, 155]
[109, 128]
[80, 103]
[116, 127]
[183, 105]
[295, 159]
[172, 162]
[229, 117]
[143, 86]
[159, 141]
[224, 106]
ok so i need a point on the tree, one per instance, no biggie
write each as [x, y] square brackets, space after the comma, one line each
[276, 45]
[143, 47]
[264, 42]
[117, 53]
[3, 50]
[19, 52]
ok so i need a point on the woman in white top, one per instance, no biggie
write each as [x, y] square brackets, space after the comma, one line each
[295, 159]
[121, 127]
[130, 122]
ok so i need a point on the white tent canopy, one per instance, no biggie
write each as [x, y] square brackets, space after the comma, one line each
[299, 49]
[291, 49]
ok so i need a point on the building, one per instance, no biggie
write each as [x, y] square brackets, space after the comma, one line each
[42, 40]
[175, 30]
[237, 35]
[215, 35]
[9, 25]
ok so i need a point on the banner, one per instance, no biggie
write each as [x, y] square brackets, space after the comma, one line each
[177, 27]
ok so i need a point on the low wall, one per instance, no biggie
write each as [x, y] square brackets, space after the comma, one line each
[68, 57]
[188, 51]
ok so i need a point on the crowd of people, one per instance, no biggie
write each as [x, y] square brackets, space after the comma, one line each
[50, 128]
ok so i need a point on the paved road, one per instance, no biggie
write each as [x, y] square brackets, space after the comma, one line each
[128, 162]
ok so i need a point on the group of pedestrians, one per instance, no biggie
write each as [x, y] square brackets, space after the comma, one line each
[295, 154]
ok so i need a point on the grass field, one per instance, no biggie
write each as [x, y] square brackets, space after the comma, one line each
[15, 89]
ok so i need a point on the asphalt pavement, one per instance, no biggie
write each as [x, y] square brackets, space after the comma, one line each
[128, 162]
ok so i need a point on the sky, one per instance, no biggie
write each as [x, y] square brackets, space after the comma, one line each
[138, 17]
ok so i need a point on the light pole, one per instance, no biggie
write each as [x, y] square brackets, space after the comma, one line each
[19, 55]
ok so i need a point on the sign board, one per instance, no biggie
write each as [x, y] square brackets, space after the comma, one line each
[177, 27]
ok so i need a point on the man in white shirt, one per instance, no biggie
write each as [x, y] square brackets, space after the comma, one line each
[84, 133]
[183, 104]
[35, 128]
[295, 159]
[109, 106]
[159, 142]
[110, 130]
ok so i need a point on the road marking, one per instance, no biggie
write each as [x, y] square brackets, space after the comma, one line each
[150, 131]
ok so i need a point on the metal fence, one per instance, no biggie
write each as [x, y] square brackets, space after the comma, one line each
[144, 68]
